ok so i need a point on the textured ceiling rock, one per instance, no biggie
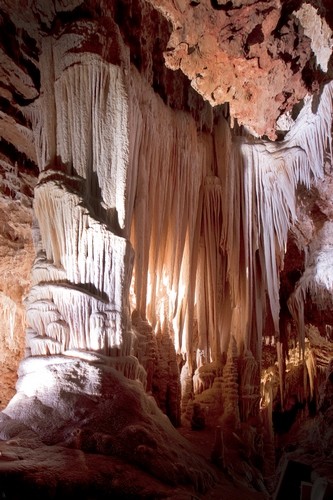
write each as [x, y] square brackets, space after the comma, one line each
[255, 55]
[262, 57]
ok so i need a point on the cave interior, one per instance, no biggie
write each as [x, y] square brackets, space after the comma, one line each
[166, 243]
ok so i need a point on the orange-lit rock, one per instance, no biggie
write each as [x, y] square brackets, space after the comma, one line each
[253, 55]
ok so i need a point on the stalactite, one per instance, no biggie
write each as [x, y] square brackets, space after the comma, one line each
[312, 372]
[170, 173]
[245, 203]
[214, 268]
[313, 137]
[99, 125]
[321, 349]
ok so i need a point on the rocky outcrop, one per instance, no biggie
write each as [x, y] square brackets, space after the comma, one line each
[19, 87]
[90, 412]
[244, 53]
[17, 254]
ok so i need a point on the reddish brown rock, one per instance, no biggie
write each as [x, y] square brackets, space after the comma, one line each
[16, 257]
[253, 55]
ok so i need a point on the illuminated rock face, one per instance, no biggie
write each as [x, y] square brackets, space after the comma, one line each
[81, 277]
[246, 53]
[15, 247]
[160, 237]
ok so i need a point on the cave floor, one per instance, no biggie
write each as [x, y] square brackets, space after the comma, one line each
[228, 486]
[53, 472]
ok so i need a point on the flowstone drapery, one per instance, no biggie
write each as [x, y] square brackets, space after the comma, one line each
[206, 208]
[82, 349]
[210, 242]
[81, 302]
[81, 277]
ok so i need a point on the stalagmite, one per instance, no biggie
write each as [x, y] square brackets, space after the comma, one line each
[230, 390]
[249, 386]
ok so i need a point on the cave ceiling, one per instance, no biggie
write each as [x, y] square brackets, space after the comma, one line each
[260, 57]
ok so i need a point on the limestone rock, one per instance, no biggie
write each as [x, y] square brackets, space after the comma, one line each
[246, 52]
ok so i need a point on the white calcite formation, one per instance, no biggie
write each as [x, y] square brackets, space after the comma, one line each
[319, 33]
[80, 342]
[79, 298]
[83, 306]
[210, 245]
[207, 213]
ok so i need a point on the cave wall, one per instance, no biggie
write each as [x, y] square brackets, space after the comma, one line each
[18, 173]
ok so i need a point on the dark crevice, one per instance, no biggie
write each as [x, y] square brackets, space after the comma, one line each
[313, 76]
[66, 18]
[288, 7]
[30, 44]
[256, 36]
[9, 41]
[217, 6]
[10, 110]
[25, 164]
[21, 101]
[32, 71]
[289, 59]
[284, 419]
[146, 52]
